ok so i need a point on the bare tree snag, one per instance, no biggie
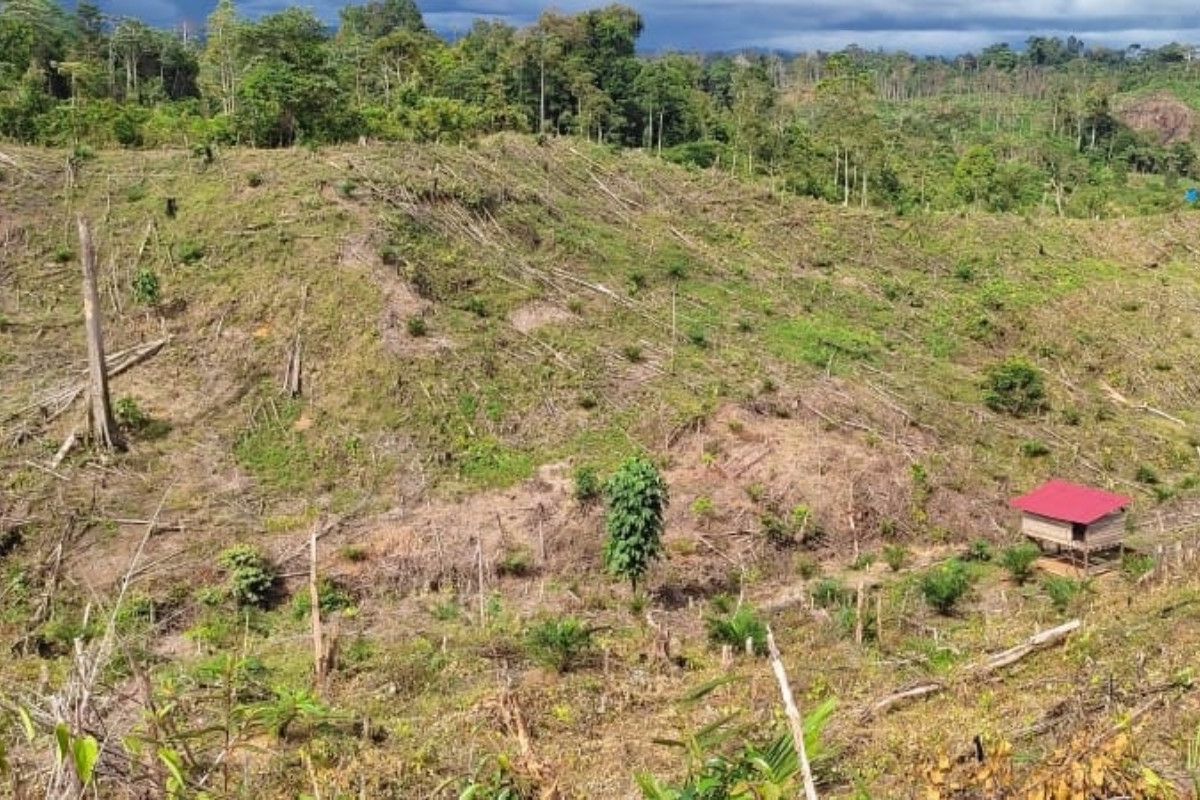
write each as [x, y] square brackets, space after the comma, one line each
[795, 722]
[103, 428]
[292, 383]
[314, 595]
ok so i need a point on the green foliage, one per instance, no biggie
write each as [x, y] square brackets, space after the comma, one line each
[895, 556]
[516, 562]
[416, 326]
[249, 576]
[736, 627]
[830, 593]
[1134, 565]
[703, 508]
[979, 551]
[1062, 591]
[563, 644]
[275, 452]
[1015, 387]
[633, 354]
[1146, 475]
[1019, 560]
[587, 485]
[146, 289]
[189, 251]
[1034, 449]
[331, 595]
[636, 497]
[129, 414]
[944, 585]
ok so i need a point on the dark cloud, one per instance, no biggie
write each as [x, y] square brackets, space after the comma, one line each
[932, 26]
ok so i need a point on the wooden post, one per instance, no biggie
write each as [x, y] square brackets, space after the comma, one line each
[879, 619]
[314, 595]
[858, 615]
[103, 428]
[479, 568]
[795, 722]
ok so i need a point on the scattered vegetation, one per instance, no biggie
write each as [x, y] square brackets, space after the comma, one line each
[945, 585]
[563, 644]
[1019, 560]
[249, 576]
[1015, 387]
[736, 627]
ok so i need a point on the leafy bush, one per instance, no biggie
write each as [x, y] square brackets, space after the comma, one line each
[146, 289]
[830, 592]
[703, 508]
[416, 326]
[588, 487]
[637, 500]
[698, 337]
[331, 597]
[1034, 449]
[516, 562]
[945, 585]
[63, 254]
[1019, 560]
[633, 354]
[254, 180]
[979, 550]
[1014, 387]
[734, 629]
[896, 556]
[190, 252]
[560, 643]
[1136, 565]
[249, 576]
[129, 414]
[1145, 475]
[1062, 591]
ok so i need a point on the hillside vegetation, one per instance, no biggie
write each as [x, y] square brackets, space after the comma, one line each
[486, 332]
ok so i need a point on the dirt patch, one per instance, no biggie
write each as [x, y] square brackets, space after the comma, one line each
[530, 317]
[1162, 115]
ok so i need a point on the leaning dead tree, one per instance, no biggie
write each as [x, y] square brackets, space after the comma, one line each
[103, 427]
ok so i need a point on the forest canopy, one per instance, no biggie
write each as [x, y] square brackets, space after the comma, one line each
[1002, 129]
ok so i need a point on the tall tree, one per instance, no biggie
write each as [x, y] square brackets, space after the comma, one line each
[221, 63]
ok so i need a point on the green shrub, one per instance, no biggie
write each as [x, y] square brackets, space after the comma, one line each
[863, 561]
[249, 576]
[698, 337]
[1019, 560]
[146, 289]
[637, 500]
[135, 193]
[735, 628]
[129, 414]
[633, 354]
[896, 556]
[1034, 449]
[331, 596]
[1062, 591]
[830, 592]
[560, 643]
[979, 551]
[588, 486]
[943, 586]
[517, 562]
[190, 252]
[416, 326]
[1146, 475]
[63, 254]
[1014, 387]
[254, 180]
[477, 306]
[1136, 565]
[776, 530]
[703, 508]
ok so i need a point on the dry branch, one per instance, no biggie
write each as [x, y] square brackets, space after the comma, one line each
[795, 722]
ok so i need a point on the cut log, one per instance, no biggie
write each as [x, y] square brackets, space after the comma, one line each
[103, 427]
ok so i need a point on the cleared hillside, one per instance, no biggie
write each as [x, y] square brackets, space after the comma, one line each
[478, 322]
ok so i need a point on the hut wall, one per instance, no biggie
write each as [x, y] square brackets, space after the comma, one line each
[1106, 532]
[1046, 529]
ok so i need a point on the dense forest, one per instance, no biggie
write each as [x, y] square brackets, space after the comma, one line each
[1002, 129]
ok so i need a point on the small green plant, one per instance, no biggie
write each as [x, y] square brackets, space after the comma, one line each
[1014, 387]
[190, 251]
[1062, 591]
[979, 551]
[62, 254]
[736, 627]
[447, 611]
[416, 326]
[560, 643]
[1146, 475]
[895, 556]
[129, 414]
[1134, 565]
[830, 593]
[254, 180]
[1019, 560]
[1034, 449]
[354, 553]
[863, 561]
[135, 193]
[703, 508]
[575, 306]
[806, 566]
[756, 492]
[146, 289]
[637, 501]
[588, 486]
[346, 188]
[331, 596]
[944, 585]
[633, 354]
[776, 529]
[698, 337]
[249, 576]
[517, 562]
[637, 281]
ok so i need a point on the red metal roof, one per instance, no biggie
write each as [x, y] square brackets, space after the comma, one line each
[1070, 502]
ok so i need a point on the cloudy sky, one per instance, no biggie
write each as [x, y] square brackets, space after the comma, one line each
[933, 26]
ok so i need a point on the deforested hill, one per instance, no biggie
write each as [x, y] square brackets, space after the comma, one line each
[429, 359]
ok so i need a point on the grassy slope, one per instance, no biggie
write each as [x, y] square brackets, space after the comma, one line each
[767, 295]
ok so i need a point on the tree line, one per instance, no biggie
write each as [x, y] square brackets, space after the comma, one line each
[1002, 129]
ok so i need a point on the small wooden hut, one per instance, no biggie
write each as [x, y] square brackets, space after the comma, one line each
[1078, 519]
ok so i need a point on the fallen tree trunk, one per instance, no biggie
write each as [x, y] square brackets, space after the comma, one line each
[994, 663]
